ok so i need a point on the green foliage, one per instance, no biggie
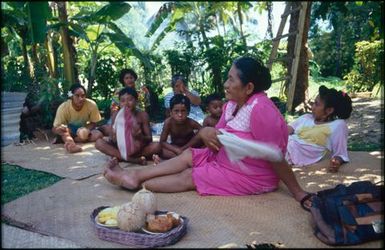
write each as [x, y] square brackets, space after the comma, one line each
[107, 75]
[366, 72]
[349, 23]
[180, 62]
[17, 181]
[50, 97]
[14, 74]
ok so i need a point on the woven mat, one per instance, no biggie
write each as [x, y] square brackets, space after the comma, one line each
[63, 210]
[53, 158]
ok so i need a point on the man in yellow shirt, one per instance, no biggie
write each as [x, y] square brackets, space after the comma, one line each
[76, 120]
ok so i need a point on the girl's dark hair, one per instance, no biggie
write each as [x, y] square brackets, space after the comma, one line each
[125, 72]
[176, 78]
[338, 100]
[75, 86]
[180, 99]
[252, 70]
[129, 91]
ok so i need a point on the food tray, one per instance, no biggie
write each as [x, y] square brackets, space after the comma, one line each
[139, 238]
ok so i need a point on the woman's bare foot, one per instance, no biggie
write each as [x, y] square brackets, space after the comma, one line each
[156, 159]
[118, 176]
[71, 147]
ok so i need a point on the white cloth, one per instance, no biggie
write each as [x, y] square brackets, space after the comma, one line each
[238, 148]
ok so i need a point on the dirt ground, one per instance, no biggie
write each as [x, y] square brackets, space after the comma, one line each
[366, 121]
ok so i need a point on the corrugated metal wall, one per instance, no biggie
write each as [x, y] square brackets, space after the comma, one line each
[11, 107]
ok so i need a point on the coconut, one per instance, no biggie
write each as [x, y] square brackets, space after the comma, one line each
[130, 217]
[146, 200]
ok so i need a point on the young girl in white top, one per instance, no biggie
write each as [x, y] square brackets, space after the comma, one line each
[311, 136]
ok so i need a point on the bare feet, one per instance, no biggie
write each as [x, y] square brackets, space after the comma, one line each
[141, 160]
[71, 147]
[120, 177]
[156, 159]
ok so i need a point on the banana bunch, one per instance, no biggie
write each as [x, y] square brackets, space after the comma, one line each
[108, 216]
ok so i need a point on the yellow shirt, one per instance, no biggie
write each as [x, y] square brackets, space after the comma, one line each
[67, 115]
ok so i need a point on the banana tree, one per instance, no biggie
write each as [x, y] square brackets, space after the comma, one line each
[178, 12]
[99, 31]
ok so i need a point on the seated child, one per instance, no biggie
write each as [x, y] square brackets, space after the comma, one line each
[312, 135]
[131, 138]
[214, 108]
[179, 127]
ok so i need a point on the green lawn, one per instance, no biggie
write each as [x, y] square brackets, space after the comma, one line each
[17, 181]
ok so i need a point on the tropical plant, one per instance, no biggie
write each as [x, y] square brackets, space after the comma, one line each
[366, 72]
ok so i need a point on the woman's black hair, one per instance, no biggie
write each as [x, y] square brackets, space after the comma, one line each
[176, 78]
[180, 99]
[338, 100]
[252, 70]
[129, 91]
[125, 72]
[75, 86]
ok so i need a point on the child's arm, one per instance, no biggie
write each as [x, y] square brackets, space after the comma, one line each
[206, 122]
[164, 135]
[339, 146]
[196, 139]
[113, 115]
[146, 131]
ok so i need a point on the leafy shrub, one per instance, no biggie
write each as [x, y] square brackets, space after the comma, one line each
[15, 76]
[368, 61]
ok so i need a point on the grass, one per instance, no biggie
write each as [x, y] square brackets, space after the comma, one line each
[17, 181]
[356, 146]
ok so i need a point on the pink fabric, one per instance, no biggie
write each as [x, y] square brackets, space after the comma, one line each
[258, 119]
[124, 125]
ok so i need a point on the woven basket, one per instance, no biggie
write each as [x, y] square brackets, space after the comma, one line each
[139, 238]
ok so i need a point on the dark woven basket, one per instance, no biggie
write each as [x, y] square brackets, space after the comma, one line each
[139, 238]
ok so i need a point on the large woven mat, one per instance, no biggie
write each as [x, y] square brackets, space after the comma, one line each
[53, 158]
[63, 210]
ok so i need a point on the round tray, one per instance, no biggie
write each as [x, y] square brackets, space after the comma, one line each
[139, 238]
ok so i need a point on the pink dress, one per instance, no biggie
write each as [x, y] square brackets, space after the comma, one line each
[259, 120]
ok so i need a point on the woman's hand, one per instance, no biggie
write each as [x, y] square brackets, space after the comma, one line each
[209, 137]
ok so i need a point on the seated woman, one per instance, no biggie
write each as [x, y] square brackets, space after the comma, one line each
[248, 114]
[313, 135]
[76, 120]
[131, 138]
[179, 127]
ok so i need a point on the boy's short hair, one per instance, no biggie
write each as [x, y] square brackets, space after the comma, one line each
[129, 91]
[180, 99]
[212, 97]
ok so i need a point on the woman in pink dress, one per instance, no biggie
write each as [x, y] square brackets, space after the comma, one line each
[249, 114]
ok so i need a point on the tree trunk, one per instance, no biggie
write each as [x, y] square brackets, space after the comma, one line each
[239, 11]
[302, 83]
[25, 57]
[68, 57]
[91, 78]
[269, 31]
[51, 63]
